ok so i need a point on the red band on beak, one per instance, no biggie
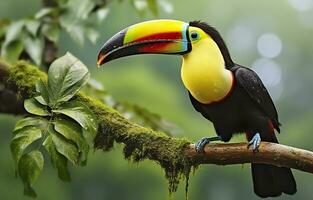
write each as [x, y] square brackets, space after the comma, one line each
[157, 47]
[160, 36]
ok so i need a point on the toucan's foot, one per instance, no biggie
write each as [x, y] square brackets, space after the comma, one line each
[203, 141]
[201, 144]
[255, 142]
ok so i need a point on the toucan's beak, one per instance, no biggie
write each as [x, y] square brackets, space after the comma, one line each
[151, 37]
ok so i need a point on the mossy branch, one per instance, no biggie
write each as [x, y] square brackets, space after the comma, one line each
[175, 155]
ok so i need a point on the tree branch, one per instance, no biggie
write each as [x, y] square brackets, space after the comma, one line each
[269, 153]
[175, 155]
[9, 102]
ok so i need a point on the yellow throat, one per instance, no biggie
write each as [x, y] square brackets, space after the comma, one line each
[203, 72]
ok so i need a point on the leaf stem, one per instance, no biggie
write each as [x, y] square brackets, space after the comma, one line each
[44, 133]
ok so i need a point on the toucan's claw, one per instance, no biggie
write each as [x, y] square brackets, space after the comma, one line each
[255, 142]
[201, 144]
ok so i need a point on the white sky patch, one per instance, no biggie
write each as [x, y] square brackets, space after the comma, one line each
[269, 45]
[241, 37]
[271, 75]
[301, 5]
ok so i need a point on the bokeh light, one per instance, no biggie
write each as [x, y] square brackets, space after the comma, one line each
[271, 74]
[167, 7]
[305, 19]
[269, 45]
[301, 5]
[240, 37]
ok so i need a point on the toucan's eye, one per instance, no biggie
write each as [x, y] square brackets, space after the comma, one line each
[194, 35]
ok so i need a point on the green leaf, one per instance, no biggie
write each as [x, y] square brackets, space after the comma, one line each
[76, 12]
[34, 107]
[4, 23]
[12, 51]
[51, 31]
[44, 12]
[81, 114]
[30, 166]
[64, 146]
[14, 31]
[102, 13]
[73, 132]
[34, 48]
[45, 92]
[74, 18]
[58, 160]
[41, 100]
[66, 76]
[23, 138]
[31, 121]
[32, 27]
[77, 34]
[12, 46]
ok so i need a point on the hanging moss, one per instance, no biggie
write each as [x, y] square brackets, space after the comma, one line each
[140, 142]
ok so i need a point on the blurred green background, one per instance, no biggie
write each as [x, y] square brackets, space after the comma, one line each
[272, 37]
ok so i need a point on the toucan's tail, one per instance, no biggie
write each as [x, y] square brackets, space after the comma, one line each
[272, 181]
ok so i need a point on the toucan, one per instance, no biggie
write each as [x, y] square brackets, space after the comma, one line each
[229, 95]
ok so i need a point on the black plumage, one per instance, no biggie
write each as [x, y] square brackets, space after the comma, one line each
[247, 109]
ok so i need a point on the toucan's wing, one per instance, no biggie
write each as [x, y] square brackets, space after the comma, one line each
[253, 85]
[198, 106]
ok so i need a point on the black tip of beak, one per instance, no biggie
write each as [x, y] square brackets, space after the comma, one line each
[106, 52]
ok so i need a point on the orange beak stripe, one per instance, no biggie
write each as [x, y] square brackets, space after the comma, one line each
[100, 59]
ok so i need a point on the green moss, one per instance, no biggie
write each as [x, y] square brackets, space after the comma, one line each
[140, 142]
[23, 78]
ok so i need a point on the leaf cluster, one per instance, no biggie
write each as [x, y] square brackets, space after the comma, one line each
[28, 38]
[57, 124]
